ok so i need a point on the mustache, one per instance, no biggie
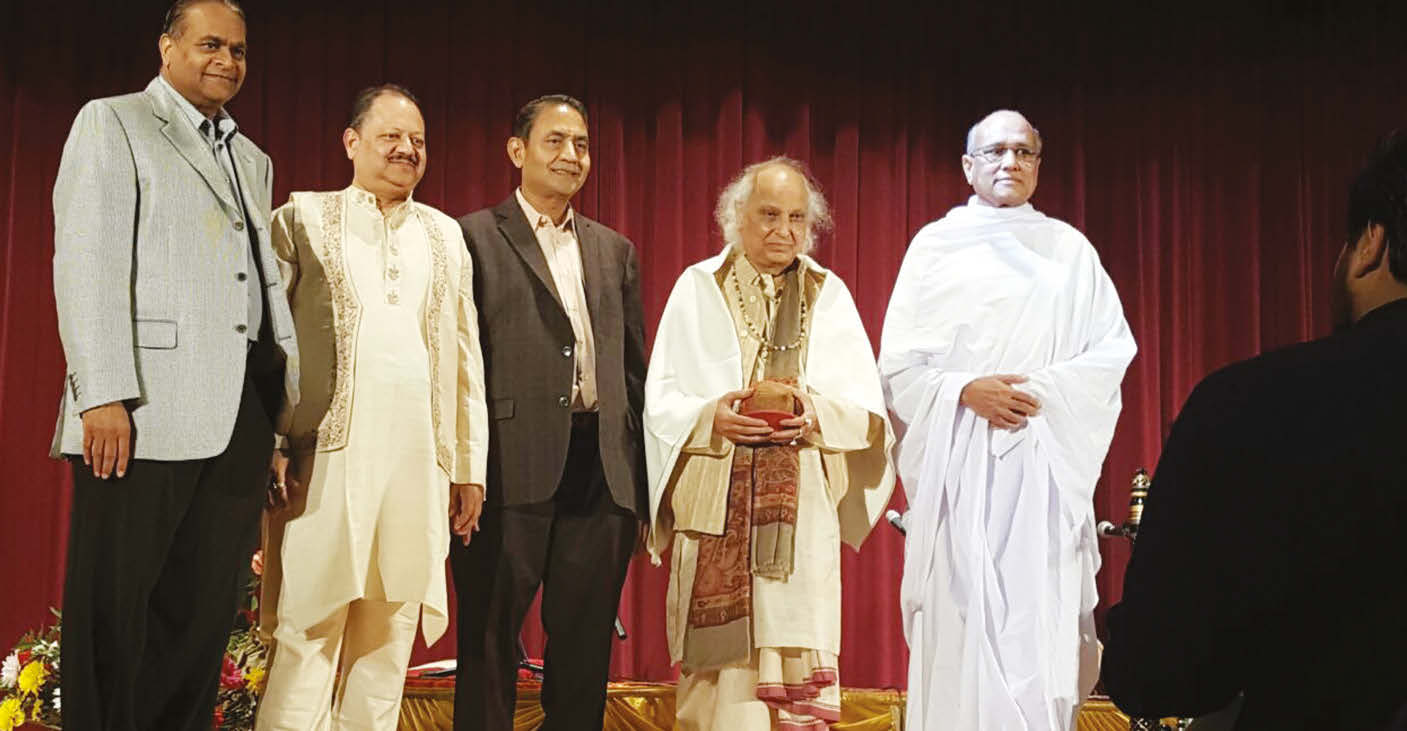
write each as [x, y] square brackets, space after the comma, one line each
[412, 159]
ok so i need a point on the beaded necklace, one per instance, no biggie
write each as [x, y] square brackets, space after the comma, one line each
[759, 334]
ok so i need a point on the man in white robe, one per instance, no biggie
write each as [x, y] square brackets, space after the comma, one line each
[1003, 351]
[755, 512]
[390, 443]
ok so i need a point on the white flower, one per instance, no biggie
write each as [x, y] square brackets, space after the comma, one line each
[57, 707]
[10, 671]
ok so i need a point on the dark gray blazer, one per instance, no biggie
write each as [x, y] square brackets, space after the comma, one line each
[528, 368]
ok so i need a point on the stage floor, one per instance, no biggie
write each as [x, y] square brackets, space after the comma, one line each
[429, 706]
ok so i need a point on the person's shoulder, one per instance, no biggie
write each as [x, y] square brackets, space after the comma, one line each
[307, 206]
[1066, 234]
[136, 101]
[438, 216]
[821, 276]
[482, 219]
[1298, 367]
[1066, 230]
[601, 230]
[696, 278]
[621, 248]
[118, 109]
[931, 231]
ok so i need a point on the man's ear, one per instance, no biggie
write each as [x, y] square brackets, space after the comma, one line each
[350, 140]
[967, 163]
[1370, 252]
[163, 46]
[517, 151]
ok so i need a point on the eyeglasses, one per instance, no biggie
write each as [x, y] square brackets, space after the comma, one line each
[997, 153]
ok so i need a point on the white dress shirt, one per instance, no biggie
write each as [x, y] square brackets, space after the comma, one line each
[563, 253]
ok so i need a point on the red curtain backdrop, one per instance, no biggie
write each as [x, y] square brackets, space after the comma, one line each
[1204, 151]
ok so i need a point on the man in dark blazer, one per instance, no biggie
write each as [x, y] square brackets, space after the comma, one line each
[1272, 557]
[564, 360]
[175, 353]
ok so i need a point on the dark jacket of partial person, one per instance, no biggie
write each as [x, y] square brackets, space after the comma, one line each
[1272, 556]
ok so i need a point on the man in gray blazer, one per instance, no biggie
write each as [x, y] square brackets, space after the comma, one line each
[176, 339]
[564, 361]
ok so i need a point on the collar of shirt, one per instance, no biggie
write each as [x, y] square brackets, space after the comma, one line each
[539, 220]
[366, 199]
[748, 274]
[224, 125]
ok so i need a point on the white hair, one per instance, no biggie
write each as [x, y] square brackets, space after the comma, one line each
[729, 212]
[972, 131]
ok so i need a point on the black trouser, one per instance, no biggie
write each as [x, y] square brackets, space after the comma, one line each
[157, 562]
[577, 547]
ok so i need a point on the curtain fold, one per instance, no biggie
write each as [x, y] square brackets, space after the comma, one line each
[1204, 151]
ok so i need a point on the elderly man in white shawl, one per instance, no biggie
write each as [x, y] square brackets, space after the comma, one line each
[1002, 355]
[767, 444]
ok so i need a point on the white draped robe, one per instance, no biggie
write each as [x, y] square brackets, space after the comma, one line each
[998, 588]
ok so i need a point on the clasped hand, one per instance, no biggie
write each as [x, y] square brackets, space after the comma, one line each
[740, 429]
[994, 399]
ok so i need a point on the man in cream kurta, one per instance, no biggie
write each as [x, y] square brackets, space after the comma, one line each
[1003, 351]
[389, 443]
[721, 334]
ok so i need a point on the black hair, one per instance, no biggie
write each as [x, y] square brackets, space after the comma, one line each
[523, 121]
[176, 14]
[366, 97]
[1379, 195]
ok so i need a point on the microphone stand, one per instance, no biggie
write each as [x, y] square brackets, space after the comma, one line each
[1138, 495]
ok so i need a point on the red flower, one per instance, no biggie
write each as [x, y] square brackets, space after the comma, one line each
[24, 657]
[219, 717]
[230, 676]
[256, 564]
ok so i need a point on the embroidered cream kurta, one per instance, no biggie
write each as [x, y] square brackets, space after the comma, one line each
[385, 304]
[846, 477]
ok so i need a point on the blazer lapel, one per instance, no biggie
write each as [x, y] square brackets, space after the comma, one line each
[515, 228]
[248, 171]
[591, 262]
[178, 131]
[247, 167]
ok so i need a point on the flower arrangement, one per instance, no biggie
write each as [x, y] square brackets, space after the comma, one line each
[29, 680]
[246, 660]
[29, 675]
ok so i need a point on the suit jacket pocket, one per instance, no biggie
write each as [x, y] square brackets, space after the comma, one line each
[502, 408]
[160, 334]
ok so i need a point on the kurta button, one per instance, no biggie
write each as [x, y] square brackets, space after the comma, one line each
[240, 328]
[563, 401]
[239, 225]
[241, 276]
[566, 351]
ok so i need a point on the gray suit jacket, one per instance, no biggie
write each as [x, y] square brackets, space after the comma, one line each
[527, 345]
[150, 261]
